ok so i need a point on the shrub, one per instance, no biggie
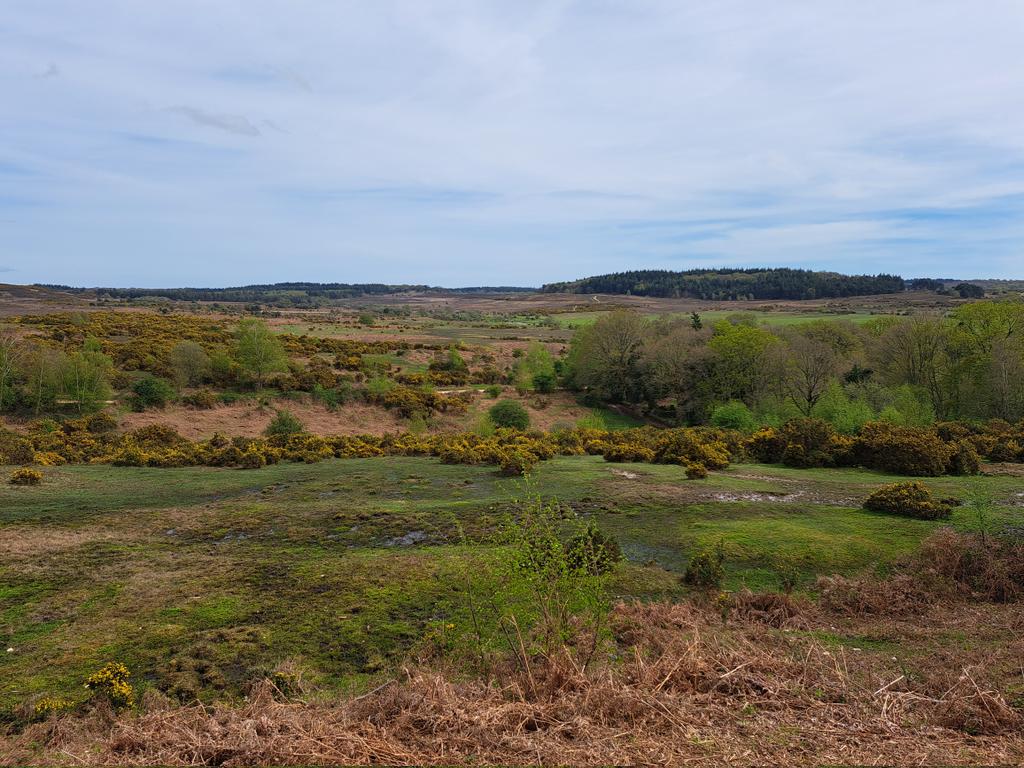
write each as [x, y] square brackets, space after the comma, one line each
[965, 459]
[492, 391]
[100, 423]
[49, 706]
[26, 476]
[151, 392]
[593, 551]
[111, 681]
[706, 568]
[910, 499]
[809, 443]
[510, 414]
[544, 381]
[623, 452]
[516, 463]
[204, 399]
[283, 424]
[766, 445]
[734, 415]
[333, 397]
[901, 450]
[696, 471]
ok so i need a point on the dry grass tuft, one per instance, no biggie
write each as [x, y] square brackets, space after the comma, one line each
[681, 687]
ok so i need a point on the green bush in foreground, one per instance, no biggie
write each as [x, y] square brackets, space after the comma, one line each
[706, 568]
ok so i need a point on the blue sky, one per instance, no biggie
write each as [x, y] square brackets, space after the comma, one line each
[224, 142]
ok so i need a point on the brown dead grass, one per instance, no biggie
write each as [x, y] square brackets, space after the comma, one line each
[686, 689]
[249, 420]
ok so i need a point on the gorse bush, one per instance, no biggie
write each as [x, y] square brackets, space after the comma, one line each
[706, 568]
[26, 476]
[112, 682]
[51, 706]
[204, 399]
[910, 499]
[75, 441]
[902, 450]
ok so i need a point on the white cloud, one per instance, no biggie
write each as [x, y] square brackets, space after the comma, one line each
[536, 140]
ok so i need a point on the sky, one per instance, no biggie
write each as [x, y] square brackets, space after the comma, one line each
[506, 142]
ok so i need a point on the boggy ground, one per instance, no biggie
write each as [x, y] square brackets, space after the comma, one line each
[193, 576]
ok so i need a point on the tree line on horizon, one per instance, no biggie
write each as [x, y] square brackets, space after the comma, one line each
[731, 284]
[724, 284]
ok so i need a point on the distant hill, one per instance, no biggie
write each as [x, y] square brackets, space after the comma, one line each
[733, 284]
[280, 294]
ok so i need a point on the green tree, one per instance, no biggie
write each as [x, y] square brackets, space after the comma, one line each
[535, 369]
[40, 367]
[11, 353]
[606, 357]
[190, 364]
[258, 350]
[84, 379]
[741, 366]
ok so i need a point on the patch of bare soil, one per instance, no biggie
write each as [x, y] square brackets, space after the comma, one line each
[249, 420]
[1001, 468]
[688, 689]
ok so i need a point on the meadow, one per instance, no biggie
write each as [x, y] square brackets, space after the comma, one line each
[202, 580]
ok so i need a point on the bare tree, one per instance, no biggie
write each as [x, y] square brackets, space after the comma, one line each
[810, 366]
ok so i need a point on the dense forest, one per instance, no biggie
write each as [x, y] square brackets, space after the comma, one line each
[733, 284]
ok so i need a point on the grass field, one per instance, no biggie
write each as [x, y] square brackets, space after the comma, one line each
[202, 578]
[776, 319]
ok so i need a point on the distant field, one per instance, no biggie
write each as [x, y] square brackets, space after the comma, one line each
[580, 319]
[194, 577]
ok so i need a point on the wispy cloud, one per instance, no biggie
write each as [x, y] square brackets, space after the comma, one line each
[231, 123]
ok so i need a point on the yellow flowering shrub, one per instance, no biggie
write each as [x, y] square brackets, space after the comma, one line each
[50, 706]
[26, 476]
[112, 681]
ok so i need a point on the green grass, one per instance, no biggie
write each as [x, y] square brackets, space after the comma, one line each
[201, 579]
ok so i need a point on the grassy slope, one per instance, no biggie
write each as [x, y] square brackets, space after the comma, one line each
[200, 578]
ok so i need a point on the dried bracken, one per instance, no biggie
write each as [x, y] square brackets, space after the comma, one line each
[685, 689]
